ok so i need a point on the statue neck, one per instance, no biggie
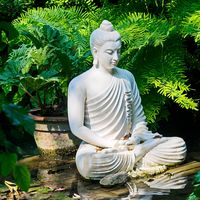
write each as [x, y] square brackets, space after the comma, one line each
[104, 71]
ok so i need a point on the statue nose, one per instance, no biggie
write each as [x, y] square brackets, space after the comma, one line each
[115, 56]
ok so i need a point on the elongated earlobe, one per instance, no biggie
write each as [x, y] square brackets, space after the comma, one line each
[95, 61]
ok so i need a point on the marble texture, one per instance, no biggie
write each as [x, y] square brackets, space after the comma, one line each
[105, 112]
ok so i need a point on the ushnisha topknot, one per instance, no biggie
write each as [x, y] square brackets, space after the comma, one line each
[103, 34]
[106, 26]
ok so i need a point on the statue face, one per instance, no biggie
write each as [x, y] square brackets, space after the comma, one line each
[108, 54]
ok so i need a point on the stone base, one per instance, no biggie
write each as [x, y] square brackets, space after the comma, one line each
[57, 153]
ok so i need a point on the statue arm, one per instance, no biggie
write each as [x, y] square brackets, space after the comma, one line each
[139, 123]
[140, 130]
[76, 103]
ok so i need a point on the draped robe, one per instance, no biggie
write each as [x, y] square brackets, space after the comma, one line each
[115, 113]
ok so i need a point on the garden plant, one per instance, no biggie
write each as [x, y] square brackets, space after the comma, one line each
[49, 46]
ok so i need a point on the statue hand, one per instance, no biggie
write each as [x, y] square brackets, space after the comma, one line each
[141, 137]
[133, 140]
[118, 145]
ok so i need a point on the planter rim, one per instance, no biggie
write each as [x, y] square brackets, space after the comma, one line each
[46, 118]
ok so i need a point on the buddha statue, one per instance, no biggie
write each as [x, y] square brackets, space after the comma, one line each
[105, 112]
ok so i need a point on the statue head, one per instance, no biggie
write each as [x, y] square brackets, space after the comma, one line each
[105, 39]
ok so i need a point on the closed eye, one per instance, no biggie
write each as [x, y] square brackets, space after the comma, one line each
[110, 52]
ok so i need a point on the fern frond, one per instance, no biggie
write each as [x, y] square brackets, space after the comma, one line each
[139, 30]
[150, 6]
[73, 22]
[162, 67]
[86, 5]
[152, 44]
[153, 104]
[175, 91]
[191, 25]
[179, 9]
[17, 61]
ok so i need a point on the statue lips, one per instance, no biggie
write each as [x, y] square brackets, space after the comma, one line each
[114, 63]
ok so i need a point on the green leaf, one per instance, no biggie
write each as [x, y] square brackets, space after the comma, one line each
[7, 162]
[22, 177]
[197, 178]
[37, 83]
[7, 88]
[64, 86]
[197, 191]
[192, 197]
[35, 41]
[19, 117]
[40, 56]
[9, 76]
[18, 96]
[49, 73]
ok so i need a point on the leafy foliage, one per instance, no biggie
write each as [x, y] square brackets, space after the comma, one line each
[9, 166]
[8, 151]
[53, 47]
[87, 5]
[195, 195]
[7, 33]
[191, 26]
[13, 118]
[154, 48]
[8, 160]
[9, 10]
[41, 67]
[68, 22]
[22, 176]
[18, 116]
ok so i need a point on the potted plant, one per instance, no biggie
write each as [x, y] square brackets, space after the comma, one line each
[38, 73]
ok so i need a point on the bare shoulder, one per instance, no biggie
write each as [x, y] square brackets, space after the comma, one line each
[79, 82]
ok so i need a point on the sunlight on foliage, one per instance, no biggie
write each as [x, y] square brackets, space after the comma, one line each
[191, 26]
[195, 195]
[153, 48]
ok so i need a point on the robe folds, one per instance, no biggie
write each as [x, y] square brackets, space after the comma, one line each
[115, 113]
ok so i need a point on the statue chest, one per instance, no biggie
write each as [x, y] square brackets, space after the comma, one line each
[99, 86]
[110, 108]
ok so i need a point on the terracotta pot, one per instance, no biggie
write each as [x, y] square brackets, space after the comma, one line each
[53, 136]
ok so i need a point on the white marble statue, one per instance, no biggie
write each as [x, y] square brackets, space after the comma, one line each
[105, 112]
